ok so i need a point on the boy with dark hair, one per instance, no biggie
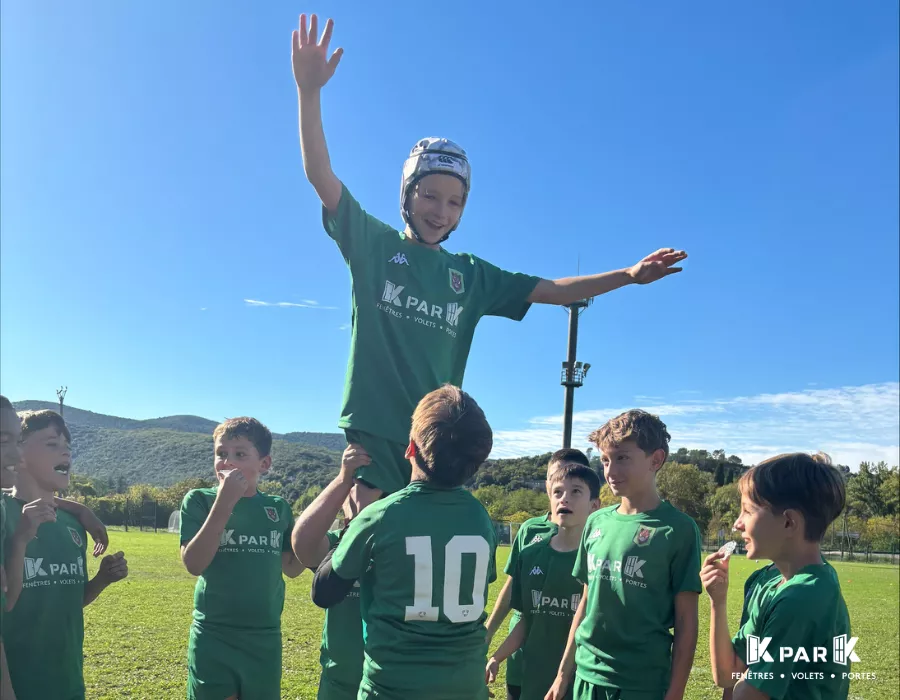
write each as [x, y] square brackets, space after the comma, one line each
[424, 557]
[46, 551]
[532, 531]
[787, 504]
[543, 589]
[415, 305]
[236, 540]
[341, 648]
[639, 562]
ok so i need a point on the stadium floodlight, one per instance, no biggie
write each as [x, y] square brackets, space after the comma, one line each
[573, 371]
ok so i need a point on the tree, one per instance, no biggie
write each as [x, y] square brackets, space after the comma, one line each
[725, 507]
[889, 492]
[121, 484]
[720, 474]
[607, 497]
[687, 488]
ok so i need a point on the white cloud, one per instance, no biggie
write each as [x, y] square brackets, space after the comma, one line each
[345, 327]
[203, 308]
[304, 304]
[852, 424]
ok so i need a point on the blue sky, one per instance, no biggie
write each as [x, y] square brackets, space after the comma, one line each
[152, 184]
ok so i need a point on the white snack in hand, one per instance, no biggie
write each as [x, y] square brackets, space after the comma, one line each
[728, 549]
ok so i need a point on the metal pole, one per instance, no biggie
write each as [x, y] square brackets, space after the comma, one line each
[570, 371]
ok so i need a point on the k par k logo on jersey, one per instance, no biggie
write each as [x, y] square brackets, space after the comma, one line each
[257, 544]
[841, 651]
[393, 295]
[37, 568]
[629, 572]
[539, 601]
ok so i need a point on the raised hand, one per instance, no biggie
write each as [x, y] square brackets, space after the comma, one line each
[714, 576]
[233, 487]
[34, 514]
[113, 567]
[312, 66]
[354, 457]
[657, 265]
[96, 529]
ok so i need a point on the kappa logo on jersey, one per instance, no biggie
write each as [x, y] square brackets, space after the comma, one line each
[595, 535]
[392, 295]
[272, 513]
[536, 539]
[536, 571]
[457, 283]
[76, 536]
[400, 259]
[644, 535]
[33, 568]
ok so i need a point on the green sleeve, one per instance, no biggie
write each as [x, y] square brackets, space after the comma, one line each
[194, 509]
[580, 570]
[354, 552]
[749, 585]
[352, 228]
[506, 293]
[790, 622]
[492, 560]
[685, 571]
[515, 598]
[288, 530]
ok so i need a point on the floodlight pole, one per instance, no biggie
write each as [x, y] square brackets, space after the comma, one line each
[61, 395]
[573, 373]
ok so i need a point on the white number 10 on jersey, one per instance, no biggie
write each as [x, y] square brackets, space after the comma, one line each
[420, 549]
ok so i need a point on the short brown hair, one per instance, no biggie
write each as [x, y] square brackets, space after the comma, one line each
[644, 429]
[33, 421]
[451, 435]
[576, 470]
[566, 455]
[808, 483]
[250, 428]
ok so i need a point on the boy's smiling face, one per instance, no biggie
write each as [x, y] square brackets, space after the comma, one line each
[762, 530]
[10, 453]
[629, 471]
[47, 458]
[435, 206]
[240, 453]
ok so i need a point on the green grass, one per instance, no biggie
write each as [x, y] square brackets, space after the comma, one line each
[136, 632]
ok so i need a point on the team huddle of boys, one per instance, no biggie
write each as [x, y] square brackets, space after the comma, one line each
[604, 600]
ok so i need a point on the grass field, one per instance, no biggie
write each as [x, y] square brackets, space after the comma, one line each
[136, 632]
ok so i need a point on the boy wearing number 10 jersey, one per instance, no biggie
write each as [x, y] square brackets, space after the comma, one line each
[424, 557]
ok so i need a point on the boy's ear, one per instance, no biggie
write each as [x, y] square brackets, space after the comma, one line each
[265, 465]
[658, 458]
[410, 450]
[793, 521]
[595, 504]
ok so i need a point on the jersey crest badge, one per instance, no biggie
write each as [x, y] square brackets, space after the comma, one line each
[644, 535]
[457, 284]
[76, 536]
[272, 513]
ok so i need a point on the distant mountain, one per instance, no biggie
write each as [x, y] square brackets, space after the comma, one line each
[183, 424]
[162, 451]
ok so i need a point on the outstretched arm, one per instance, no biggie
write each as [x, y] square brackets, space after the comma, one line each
[500, 611]
[312, 69]
[568, 290]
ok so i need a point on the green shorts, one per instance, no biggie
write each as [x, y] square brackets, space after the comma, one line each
[389, 471]
[590, 691]
[332, 690]
[246, 663]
